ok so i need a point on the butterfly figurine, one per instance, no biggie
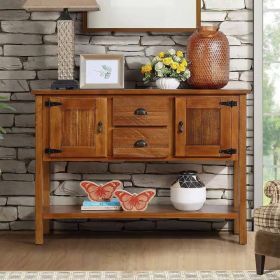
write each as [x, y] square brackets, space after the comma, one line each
[97, 192]
[135, 202]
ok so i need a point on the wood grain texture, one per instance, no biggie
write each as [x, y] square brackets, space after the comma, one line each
[133, 251]
[74, 127]
[236, 195]
[149, 92]
[207, 127]
[155, 109]
[169, 158]
[235, 143]
[46, 194]
[180, 126]
[203, 127]
[153, 212]
[41, 174]
[156, 139]
[242, 173]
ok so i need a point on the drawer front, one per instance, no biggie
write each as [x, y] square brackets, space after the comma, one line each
[141, 111]
[140, 142]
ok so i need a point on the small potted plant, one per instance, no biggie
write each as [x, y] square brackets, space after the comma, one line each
[168, 69]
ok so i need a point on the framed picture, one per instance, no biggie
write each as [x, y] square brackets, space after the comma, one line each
[144, 15]
[101, 71]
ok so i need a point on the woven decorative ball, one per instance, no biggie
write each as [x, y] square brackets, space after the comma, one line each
[208, 55]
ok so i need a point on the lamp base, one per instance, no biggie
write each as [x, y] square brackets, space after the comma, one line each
[65, 84]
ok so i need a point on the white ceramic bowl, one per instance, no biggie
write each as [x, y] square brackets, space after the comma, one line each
[188, 199]
[167, 83]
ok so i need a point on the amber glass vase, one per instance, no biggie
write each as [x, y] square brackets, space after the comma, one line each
[208, 55]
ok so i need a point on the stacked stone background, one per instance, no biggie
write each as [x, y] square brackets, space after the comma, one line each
[28, 48]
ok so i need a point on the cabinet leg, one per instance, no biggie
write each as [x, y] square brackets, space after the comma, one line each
[46, 225]
[242, 206]
[243, 237]
[242, 174]
[41, 200]
[41, 176]
[39, 222]
[236, 195]
[236, 226]
[46, 195]
[39, 203]
[39, 233]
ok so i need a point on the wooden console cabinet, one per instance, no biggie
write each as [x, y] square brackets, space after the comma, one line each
[140, 125]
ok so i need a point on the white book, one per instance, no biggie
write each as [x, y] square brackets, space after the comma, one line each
[101, 208]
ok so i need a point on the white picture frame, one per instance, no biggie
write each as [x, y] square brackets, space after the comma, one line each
[101, 71]
[144, 15]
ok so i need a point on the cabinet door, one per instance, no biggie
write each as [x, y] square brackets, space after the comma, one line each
[78, 127]
[206, 126]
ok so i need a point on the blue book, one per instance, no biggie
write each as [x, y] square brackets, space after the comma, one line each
[112, 202]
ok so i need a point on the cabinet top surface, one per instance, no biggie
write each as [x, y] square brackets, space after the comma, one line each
[142, 92]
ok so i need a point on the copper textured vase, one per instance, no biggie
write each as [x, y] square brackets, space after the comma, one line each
[208, 55]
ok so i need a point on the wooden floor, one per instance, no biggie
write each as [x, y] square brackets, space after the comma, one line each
[127, 252]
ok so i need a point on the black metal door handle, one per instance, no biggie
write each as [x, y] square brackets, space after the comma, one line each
[140, 112]
[180, 127]
[140, 144]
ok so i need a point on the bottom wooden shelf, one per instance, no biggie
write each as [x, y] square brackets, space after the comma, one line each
[153, 212]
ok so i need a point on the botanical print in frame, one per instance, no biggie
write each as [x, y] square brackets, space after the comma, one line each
[101, 71]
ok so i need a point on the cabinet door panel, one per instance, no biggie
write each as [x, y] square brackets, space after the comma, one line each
[204, 126]
[78, 127]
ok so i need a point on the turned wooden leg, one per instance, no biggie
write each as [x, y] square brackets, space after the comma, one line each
[260, 261]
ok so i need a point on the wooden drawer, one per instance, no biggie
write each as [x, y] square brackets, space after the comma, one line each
[140, 142]
[141, 111]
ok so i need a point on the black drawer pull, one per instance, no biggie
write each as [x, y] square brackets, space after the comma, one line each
[140, 144]
[99, 127]
[180, 127]
[140, 112]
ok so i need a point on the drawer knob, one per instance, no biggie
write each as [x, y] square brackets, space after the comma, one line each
[99, 127]
[140, 144]
[140, 112]
[180, 127]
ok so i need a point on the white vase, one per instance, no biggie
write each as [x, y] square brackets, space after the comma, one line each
[167, 83]
[187, 199]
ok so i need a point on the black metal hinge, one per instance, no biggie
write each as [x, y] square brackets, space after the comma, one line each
[229, 103]
[51, 103]
[52, 151]
[228, 151]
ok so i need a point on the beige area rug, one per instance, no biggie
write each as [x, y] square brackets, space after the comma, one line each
[145, 275]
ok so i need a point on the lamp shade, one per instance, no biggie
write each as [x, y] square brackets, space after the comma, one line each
[59, 5]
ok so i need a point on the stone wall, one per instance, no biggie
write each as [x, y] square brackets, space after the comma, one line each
[28, 61]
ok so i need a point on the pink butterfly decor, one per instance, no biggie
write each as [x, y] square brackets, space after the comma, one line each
[100, 192]
[135, 202]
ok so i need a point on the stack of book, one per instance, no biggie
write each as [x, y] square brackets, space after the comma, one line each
[112, 205]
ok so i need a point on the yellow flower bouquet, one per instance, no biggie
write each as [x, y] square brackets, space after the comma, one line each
[170, 64]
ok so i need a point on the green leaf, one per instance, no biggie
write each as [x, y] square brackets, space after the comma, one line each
[6, 106]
